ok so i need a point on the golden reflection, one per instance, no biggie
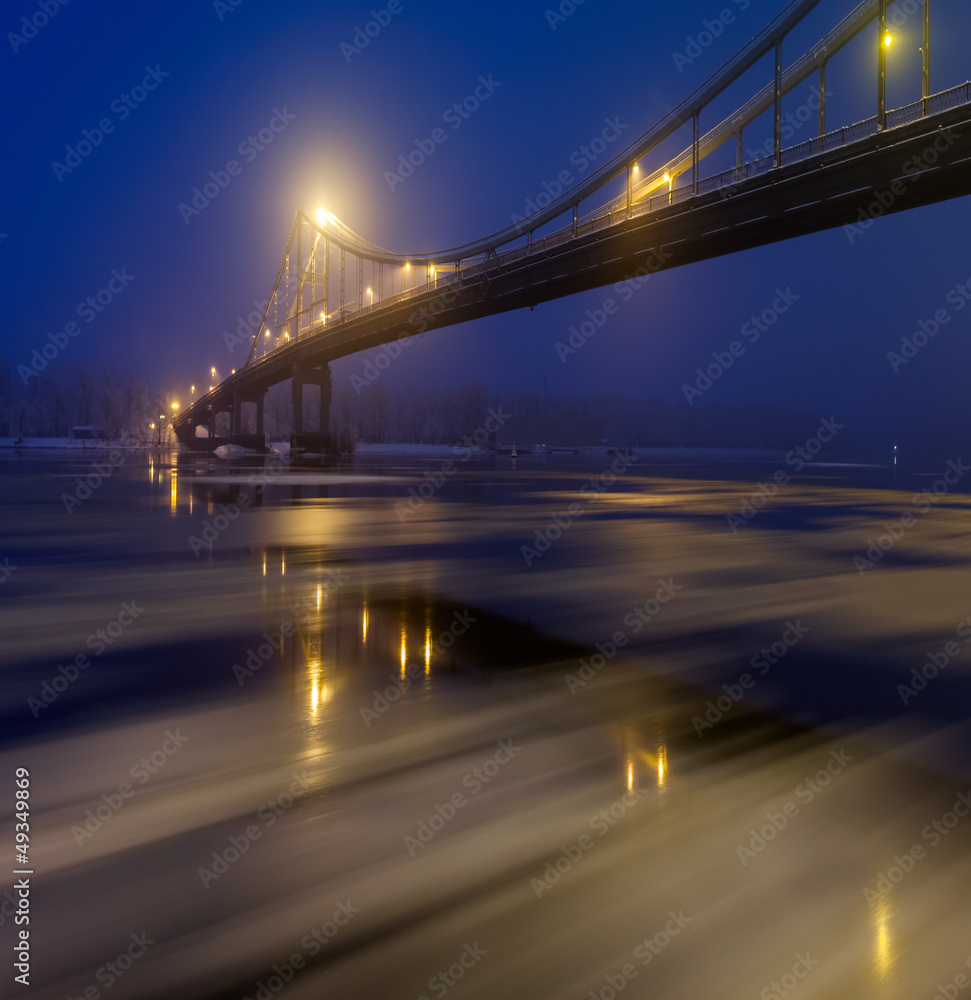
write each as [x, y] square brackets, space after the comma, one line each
[883, 957]
[264, 562]
[629, 764]
[190, 501]
[320, 595]
[283, 563]
[404, 650]
[174, 491]
[428, 649]
[151, 469]
[364, 624]
[659, 762]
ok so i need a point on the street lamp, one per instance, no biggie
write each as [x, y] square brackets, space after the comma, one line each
[371, 303]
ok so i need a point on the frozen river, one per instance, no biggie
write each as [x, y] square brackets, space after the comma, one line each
[559, 728]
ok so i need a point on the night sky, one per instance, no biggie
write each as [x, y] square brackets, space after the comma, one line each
[217, 73]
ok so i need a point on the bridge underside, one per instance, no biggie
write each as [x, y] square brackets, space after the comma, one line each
[907, 167]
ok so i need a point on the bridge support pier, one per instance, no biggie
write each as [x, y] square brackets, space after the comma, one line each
[302, 439]
[256, 441]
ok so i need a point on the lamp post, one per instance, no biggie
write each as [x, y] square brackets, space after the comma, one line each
[883, 43]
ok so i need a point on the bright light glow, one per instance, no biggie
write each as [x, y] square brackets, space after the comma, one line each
[192, 388]
[888, 39]
[212, 371]
[364, 625]
[234, 371]
[320, 595]
[636, 168]
[322, 216]
[404, 652]
[283, 564]
[175, 406]
[152, 426]
[667, 177]
[174, 492]
[407, 267]
[428, 649]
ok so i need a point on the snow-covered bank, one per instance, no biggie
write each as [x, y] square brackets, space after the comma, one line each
[70, 444]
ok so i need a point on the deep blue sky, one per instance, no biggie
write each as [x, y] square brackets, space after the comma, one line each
[228, 71]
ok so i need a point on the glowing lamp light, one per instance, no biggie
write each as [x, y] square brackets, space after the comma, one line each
[175, 406]
[321, 216]
[888, 40]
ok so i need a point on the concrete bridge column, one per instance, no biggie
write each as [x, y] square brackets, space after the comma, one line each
[259, 415]
[303, 440]
[296, 396]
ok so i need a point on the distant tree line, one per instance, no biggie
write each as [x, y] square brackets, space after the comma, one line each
[115, 404]
[120, 405]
